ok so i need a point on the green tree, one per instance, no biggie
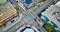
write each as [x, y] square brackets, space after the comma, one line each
[55, 30]
[17, 7]
[1, 1]
[35, 4]
[1, 24]
[42, 0]
[48, 27]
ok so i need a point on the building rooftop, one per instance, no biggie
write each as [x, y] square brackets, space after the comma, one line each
[53, 13]
[7, 11]
[58, 3]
